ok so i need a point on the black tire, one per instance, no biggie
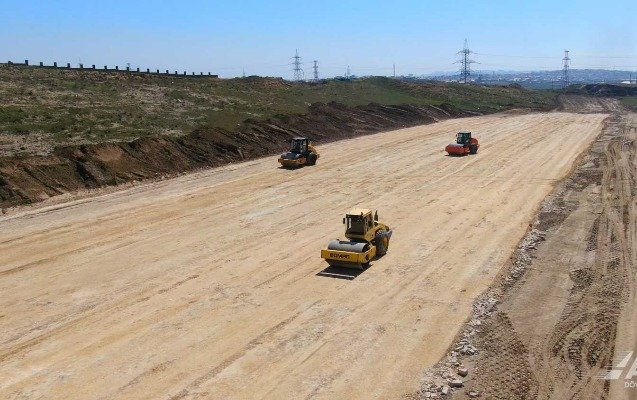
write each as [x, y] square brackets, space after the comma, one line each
[382, 243]
[311, 159]
[473, 149]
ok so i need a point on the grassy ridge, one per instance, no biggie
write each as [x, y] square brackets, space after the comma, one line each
[59, 107]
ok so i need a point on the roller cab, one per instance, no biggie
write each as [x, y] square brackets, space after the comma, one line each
[366, 239]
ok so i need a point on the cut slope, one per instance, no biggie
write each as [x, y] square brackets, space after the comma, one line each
[27, 179]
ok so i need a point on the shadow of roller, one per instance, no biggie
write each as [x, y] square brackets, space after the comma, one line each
[341, 273]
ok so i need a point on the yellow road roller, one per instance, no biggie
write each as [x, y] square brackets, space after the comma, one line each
[366, 239]
[301, 153]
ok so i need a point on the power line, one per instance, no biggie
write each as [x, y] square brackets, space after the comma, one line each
[606, 66]
[514, 56]
[298, 71]
[596, 56]
[546, 68]
[465, 62]
[554, 57]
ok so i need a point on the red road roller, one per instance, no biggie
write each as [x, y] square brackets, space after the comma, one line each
[465, 144]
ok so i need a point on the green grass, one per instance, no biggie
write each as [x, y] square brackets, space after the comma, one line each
[11, 115]
[630, 102]
[89, 106]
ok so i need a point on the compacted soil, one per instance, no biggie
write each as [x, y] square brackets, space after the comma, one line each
[210, 285]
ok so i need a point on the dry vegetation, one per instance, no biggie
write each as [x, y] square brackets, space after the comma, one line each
[41, 108]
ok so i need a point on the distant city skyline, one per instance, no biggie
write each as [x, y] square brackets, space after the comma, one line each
[260, 38]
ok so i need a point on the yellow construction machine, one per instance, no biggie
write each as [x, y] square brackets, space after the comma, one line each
[301, 153]
[367, 239]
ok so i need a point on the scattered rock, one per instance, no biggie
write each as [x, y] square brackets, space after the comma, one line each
[474, 394]
[456, 383]
[463, 372]
[444, 390]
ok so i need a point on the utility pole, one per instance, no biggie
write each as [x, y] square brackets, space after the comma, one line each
[298, 72]
[347, 75]
[315, 67]
[565, 68]
[394, 71]
[465, 62]
[244, 73]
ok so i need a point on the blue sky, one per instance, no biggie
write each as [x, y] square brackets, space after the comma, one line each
[261, 36]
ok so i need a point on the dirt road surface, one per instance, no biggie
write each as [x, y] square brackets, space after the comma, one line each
[206, 286]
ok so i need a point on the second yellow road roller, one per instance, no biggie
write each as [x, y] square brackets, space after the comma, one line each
[301, 153]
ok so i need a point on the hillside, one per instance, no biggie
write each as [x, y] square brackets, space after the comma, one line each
[42, 108]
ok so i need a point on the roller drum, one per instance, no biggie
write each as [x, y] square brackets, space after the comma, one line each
[347, 247]
[354, 247]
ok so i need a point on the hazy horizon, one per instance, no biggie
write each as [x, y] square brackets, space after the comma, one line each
[260, 38]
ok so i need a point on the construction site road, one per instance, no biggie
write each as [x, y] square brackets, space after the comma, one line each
[208, 285]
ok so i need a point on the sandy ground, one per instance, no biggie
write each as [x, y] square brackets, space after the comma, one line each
[206, 286]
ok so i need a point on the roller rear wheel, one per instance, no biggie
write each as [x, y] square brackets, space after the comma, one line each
[311, 159]
[382, 243]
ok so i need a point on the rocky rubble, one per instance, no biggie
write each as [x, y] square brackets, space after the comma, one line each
[523, 256]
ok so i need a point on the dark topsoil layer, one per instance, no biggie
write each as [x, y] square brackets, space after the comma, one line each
[604, 90]
[28, 179]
